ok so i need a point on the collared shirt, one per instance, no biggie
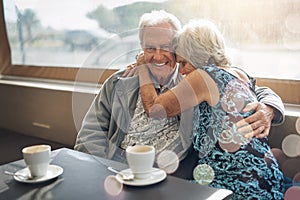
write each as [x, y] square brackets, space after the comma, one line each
[163, 134]
[174, 80]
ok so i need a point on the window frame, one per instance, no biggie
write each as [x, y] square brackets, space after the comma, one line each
[288, 90]
[44, 72]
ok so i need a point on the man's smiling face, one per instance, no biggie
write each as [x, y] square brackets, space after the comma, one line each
[157, 46]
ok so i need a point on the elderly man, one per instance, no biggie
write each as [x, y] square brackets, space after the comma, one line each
[117, 119]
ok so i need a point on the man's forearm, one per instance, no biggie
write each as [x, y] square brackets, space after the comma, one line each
[269, 97]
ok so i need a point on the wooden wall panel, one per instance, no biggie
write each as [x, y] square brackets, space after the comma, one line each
[42, 113]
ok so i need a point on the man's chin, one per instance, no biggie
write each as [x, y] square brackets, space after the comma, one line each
[162, 77]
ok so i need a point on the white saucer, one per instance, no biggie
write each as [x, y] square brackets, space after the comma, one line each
[53, 172]
[157, 176]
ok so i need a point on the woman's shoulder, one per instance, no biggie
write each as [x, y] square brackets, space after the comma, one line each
[242, 74]
[230, 72]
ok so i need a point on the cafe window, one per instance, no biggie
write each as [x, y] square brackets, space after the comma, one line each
[59, 37]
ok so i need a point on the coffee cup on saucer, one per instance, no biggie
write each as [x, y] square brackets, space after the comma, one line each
[140, 159]
[37, 159]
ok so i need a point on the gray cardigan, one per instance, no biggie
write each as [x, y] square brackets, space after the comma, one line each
[108, 118]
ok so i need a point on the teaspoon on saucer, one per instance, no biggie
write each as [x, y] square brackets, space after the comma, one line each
[19, 175]
[125, 176]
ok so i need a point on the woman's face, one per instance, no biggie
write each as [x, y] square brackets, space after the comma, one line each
[185, 67]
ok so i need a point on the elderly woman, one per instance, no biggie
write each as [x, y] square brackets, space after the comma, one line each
[218, 92]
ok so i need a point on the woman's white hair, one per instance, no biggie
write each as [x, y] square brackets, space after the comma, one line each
[201, 43]
[157, 17]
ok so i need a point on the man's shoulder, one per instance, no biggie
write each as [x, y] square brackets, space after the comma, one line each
[117, 74]
[117, 80]
[113, 78]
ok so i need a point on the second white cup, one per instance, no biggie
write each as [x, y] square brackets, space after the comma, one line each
[140, 159]
[37, 159]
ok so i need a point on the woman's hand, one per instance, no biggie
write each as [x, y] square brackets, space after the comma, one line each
[132, 69]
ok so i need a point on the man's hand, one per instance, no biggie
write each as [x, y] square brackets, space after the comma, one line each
[259, 123]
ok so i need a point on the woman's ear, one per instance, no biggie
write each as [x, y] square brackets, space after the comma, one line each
[211, 61]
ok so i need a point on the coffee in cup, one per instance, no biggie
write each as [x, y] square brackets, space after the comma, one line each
[140, 159]
[37, 159]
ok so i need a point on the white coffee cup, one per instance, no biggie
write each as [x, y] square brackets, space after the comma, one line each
[37, 159]
[140, 159]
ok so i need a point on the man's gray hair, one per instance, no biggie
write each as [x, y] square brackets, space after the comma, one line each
[157, 17]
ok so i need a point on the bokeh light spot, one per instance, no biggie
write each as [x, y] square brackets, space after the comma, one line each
[232, 100]
[292, 22]
[291, 167]
[290, 145]
[168, 161]
[112, 186]
[229, 147]
[226, 141]
[279, 155]
[296, 179]
[288, 40]
[292, 193]
[203, 174]
[226, 136]
[158, 110]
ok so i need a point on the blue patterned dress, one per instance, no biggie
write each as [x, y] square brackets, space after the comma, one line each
[245, 166]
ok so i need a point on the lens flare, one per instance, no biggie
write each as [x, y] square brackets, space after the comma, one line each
[292, 23]
[230, 147]
[168, 161]
[227, 143]
[112, 186]
[292, 193]
[296, 179]
[291, 167]
[279, 155]
[290, 145]
[203, 174]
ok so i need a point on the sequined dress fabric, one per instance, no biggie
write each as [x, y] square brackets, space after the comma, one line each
[247, 167]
